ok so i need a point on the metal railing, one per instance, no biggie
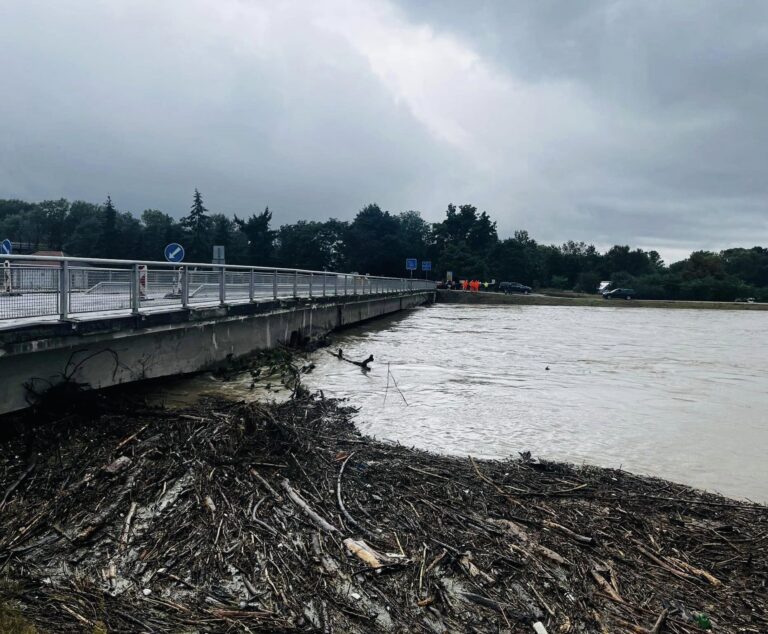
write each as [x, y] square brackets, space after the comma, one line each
[64, 287]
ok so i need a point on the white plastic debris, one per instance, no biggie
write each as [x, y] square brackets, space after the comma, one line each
[539, 628]
[147, 592]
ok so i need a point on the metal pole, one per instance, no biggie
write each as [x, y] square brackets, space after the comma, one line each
[335, 284]
[323, 283]
[135, 290]
[184, 287]
[345, 284]
[274, 285]
[295, 283]
[64, 290]
[310, 284]
[222, 286]
[251, 285]
[7, 279]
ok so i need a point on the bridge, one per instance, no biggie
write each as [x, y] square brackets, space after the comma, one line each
[99, 322]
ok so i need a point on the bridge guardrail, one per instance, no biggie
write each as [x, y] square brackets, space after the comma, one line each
[64, 287]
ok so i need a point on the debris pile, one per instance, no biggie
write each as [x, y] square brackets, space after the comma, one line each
[232, 517]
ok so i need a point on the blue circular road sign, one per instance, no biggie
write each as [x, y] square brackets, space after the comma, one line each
[174, 252]
[6, 248]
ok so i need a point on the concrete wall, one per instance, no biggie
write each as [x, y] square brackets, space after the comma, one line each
[105, 352]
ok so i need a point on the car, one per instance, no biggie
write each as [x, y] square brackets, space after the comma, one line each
[626, 293]
[514, 287]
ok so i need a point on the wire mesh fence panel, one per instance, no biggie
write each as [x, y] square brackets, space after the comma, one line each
[203, 286]
[238, 285]
[285, 284]
[28, 291]
[160, 287]
[93, 289]
[263, 285]
[327, 284]
[46, 287]
[303, 280]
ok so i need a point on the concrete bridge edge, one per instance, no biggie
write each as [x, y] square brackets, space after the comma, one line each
[112, 356]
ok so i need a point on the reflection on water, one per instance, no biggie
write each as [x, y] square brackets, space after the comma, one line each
[681, 394]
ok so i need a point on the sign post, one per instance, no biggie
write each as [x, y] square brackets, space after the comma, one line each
[411, 264]
[6, 247]
[174, 252]
[426, 266]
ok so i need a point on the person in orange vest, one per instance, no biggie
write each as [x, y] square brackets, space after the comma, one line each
[463, 285]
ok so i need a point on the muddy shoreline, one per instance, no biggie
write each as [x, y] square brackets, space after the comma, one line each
[463, 297]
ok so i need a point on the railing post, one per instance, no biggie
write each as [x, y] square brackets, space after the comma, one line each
[274, 285]
[336, 284]
[311, 277]
[222, 286]
[64, 290]
[323, 283]
[184, 286]
[345, 284]
[135, 289]
[251, 285]
[295, 284]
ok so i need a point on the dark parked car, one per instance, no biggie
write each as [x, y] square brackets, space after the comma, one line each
[626, 293]
[514, 287]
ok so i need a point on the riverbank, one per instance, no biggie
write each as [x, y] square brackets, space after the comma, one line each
[463, 297]
[281, 517]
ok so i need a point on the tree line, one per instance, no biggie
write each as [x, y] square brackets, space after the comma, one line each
[465, 242]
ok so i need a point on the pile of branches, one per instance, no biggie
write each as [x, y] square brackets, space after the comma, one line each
[231, 517]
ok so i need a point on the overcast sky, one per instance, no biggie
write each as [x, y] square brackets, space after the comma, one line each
[638, 122]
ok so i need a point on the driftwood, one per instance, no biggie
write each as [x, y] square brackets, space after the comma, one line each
[364, 552]
[315, 517]
[9, 491]
[360, 364]
[350, 520]
[88, 550]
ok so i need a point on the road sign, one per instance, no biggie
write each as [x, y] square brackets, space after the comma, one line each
[426, 265]
[6, 248]
[174, 252]
[411, 264]
[218, 254]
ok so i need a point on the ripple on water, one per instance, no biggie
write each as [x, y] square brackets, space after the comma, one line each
[676, 393]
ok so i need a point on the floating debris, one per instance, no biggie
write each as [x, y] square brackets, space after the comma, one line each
[282, 517]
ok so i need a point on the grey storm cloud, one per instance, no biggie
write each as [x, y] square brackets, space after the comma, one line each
[605, 121]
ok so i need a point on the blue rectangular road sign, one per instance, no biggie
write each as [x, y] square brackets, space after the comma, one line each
[6, 248]
[426, 265]
[411, 264]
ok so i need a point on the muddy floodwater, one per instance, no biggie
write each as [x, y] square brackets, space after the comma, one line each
[681, 394]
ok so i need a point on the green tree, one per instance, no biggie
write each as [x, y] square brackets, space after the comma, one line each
[159, 229]
[198, 224]
[260, 239]
[372, 243]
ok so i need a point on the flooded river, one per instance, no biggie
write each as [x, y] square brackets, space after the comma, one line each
[681, 394]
